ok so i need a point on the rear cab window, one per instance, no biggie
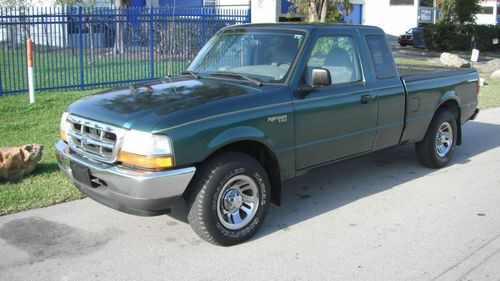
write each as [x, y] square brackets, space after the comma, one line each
[381, 57]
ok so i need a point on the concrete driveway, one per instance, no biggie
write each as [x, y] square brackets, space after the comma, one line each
[378, 217]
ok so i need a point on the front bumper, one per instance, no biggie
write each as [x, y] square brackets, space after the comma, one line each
[405, 41]
[131, 191]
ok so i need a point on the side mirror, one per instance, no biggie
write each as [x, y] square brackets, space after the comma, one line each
[321, 77]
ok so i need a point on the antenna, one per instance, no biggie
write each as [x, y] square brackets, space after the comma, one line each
[173, 86]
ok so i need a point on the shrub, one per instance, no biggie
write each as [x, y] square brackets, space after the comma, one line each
[454, 37]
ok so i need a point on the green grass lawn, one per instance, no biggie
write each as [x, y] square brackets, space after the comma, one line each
[22, 123]
[489, 96]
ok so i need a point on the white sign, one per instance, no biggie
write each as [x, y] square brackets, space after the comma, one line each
[425, 15]
[475, 55]
[495, 41]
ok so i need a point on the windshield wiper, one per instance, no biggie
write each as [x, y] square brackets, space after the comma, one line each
[237, 75]
[192, 73]
[139, 85]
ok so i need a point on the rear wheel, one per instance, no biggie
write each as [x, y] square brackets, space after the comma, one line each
[229, 200]
[436, 149]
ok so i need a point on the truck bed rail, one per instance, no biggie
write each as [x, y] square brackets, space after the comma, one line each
[405, 69]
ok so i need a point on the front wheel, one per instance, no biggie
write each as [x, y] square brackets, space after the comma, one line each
[229, 200]
[436, 149]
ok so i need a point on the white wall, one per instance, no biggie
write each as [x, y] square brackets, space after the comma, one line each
[488, 18]
[394, 20]
[52, 3]
[49, 33]
[233, 2]
[265, 11]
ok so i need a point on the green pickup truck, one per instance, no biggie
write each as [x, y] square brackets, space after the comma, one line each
[259, 105]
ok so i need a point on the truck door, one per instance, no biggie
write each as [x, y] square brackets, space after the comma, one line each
[338, 120]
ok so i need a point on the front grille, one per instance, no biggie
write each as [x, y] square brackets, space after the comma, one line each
[94, 139]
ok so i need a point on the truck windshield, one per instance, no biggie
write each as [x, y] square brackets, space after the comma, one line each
[263, 56]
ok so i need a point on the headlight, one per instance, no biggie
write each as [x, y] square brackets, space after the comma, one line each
[145, 150]
[64, 127]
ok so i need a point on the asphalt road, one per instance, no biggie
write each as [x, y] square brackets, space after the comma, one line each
[378, 217]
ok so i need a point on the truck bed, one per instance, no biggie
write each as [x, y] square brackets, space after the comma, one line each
[427, 87]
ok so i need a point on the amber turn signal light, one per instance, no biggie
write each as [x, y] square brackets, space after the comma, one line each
[149, 162]
[63, 136]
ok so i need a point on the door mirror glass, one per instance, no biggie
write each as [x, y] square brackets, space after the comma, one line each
[321, 77]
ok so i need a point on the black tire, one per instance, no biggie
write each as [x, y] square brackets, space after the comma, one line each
[427, 150]
[206, 198]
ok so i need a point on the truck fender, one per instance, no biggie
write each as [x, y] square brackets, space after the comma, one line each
[446, 98]
[245, 134]
[449, 95]
[241, 133]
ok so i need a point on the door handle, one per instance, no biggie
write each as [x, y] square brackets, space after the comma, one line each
[367, 99]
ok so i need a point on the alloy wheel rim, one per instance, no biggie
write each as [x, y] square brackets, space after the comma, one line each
[238, 202]
[444, 139]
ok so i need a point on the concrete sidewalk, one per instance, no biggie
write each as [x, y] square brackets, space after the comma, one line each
[378, 217]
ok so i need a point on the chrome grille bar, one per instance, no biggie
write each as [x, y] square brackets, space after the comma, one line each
[94, 139]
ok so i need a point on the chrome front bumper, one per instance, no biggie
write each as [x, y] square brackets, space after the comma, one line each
[131, 191]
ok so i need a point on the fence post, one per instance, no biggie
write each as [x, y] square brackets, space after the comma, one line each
[80, 45]
[1, 80]
[151, 45]
[249, 15]
[29, 60]
[202, 26]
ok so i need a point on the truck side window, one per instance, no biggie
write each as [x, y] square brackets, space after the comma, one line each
[381, 57]
[338, 54]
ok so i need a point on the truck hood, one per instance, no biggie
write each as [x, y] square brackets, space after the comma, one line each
[161, 104]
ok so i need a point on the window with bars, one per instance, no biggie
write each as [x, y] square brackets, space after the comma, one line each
[486, 10]
[209, 2]
[401, 2]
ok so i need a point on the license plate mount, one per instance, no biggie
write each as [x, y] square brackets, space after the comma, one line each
[80, 173]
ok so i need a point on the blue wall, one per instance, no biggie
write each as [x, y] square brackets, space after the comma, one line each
[134, 15]
[355, 16]
[284, 6]
[180, 3]
[137, 3]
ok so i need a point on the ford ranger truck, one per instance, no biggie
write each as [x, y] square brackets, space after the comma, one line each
[259, 105]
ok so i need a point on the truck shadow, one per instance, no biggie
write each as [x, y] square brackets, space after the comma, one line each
[339, 184]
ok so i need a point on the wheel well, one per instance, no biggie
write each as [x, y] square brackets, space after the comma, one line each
[452, 106]
[265, 157]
